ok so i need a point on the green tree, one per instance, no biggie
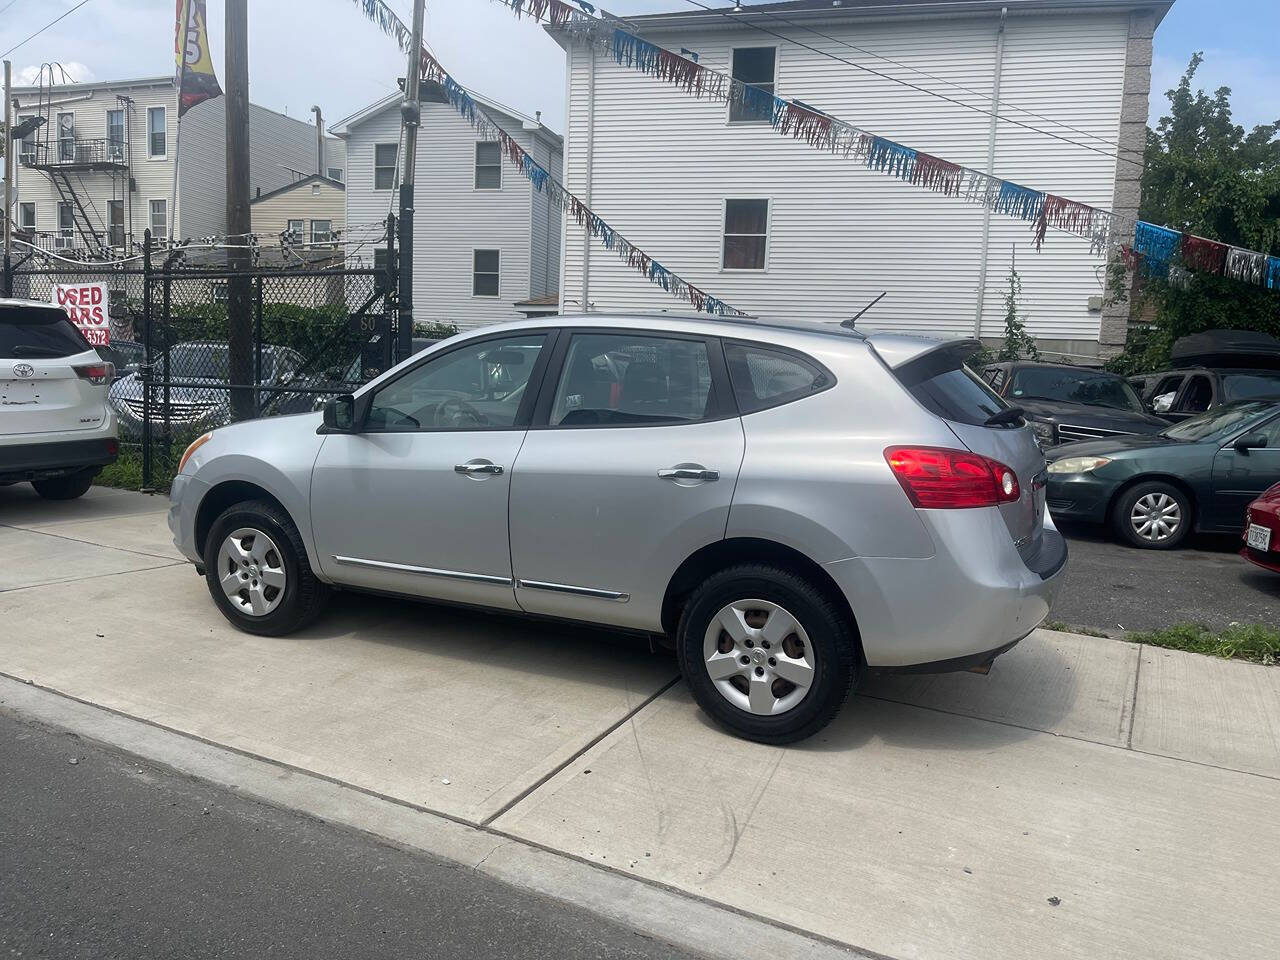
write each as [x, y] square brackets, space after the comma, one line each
[1205, 175]
[1018, 344]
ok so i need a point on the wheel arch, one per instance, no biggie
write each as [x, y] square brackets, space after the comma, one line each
[737, 550]
[225, 494]
[1171, 479]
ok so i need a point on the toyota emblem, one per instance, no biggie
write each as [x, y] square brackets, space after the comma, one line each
[23, 370]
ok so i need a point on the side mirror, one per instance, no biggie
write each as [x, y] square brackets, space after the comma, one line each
[340, 414]
[1250, 441]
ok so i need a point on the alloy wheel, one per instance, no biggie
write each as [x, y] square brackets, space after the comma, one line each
[759, 657]
[251, 572]
[1156, 517]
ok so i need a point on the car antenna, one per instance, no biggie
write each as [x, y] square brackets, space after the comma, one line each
[854, 319]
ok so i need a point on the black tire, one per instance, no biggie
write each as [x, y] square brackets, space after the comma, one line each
[304, 595]
[830, 635]
[68, 487]
[1153, 491]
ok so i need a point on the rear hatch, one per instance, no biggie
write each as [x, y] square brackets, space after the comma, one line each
[40, 388]
[934, 373]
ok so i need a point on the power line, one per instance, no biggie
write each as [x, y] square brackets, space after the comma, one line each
[728, 14]
[8, 5]
[45, 27]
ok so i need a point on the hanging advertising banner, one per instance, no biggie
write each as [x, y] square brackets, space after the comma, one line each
[86, 305]
[196, 80]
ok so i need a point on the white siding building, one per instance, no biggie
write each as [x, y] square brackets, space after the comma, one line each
[101, 170]
[484, 239]
[776, 227]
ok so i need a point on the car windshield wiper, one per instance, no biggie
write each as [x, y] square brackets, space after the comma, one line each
[27, 350]
[1008, 415]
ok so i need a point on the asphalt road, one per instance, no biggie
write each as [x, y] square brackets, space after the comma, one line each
[111, 857]
[1114, 588]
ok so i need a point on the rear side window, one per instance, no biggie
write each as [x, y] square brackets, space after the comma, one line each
[951, 390]
[35, 332]
[766, 377]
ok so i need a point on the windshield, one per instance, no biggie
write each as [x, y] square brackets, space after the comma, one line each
[1220, 420]
[209, 361]
[1074, 386]
[1246, 386]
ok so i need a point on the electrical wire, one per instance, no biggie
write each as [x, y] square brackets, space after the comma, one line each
[8, 5]
[45, 27]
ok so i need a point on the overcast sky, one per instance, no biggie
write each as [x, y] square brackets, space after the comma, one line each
[325, 51]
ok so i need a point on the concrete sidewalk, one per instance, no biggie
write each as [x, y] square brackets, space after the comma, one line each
[938, 817]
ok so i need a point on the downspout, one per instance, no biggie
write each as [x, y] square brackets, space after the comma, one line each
[319, 140]
[991, 167]
[586, 195]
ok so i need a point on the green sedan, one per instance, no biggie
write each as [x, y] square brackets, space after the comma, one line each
[1154, 490]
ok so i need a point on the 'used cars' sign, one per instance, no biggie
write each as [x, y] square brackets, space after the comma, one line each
[86, 305]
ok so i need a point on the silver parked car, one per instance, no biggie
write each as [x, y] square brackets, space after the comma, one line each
[790, 504]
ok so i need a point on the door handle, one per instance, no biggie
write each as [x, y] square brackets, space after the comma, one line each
[689, 473]
[475, 468]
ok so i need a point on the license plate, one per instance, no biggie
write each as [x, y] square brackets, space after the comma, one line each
[1259, 537]
[18, 392]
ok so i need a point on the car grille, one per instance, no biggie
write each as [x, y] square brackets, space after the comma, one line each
[1068, 432]
[176, 412]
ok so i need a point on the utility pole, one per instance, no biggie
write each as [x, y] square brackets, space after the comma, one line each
[239, 223]
[319, 140]
[411, 115]
[6, 279]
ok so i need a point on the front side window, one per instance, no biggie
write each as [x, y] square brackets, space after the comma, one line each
[746, 230]
[625, 380]
[1074, 386]
[384, 166]
[764, 377]
[754, 66]
[488, 166]
[27, 216]
[159, 211]
[474, 387]
[1197, 396]
[157, 132]
[321, 231]
[484, 273]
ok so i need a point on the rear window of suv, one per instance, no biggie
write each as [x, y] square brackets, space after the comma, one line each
[946, 387]
[37, 332]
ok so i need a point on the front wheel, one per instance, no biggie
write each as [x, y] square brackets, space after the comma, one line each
[766, 653]
[68, 487]
[257, 570]
[1154, 515]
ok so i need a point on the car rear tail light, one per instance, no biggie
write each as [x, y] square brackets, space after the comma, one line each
[937, 478]
[96, 373]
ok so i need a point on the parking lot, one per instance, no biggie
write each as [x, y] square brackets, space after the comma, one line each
[1102, 798]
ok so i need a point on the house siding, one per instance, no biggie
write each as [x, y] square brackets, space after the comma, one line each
[839, 234]
[271, 214]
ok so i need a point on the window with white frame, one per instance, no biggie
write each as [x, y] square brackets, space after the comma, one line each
[746, 234]
[297, 230]
[384, 165]
[115, 134]
[159, 219]
[321, 231]
[115, 223]
[336, 173]
[484, 273]
[66, 136]
[756, 66]
[27, 150]
[26, 216]
[157, 132]
[488, 166]
[65, 238]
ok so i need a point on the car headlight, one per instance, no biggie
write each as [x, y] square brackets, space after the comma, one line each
[1078, 464]
[1046, 433]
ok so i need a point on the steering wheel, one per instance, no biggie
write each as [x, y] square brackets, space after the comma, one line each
[458, 413]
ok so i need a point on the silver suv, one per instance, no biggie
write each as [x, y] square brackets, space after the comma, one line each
[56, 429]
[791, 505]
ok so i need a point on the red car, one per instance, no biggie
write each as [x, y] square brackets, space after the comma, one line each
[1262, 530]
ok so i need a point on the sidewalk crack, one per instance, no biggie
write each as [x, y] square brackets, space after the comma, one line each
[1133, 701]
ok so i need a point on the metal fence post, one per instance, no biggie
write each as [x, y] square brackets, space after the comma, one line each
[392, 279]
[257, 342]
[167, 280]
[147, 359]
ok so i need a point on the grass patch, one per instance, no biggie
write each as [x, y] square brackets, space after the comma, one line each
[1241, 641]
[1063, 627]
[126, 472]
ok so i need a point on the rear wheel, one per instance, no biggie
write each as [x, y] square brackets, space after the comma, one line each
[67, 487]
[1154, 515]
[766, 653]
[257, 570]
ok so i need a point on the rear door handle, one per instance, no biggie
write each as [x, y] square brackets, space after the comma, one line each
[689, 473]
[477, 468]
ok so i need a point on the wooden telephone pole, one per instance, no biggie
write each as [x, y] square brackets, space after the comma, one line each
[239, 221]
[410, 114]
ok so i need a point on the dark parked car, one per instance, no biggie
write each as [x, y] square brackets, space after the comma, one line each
[1197, 475]
[126, 355]
[1210, 369]
[1065, 403]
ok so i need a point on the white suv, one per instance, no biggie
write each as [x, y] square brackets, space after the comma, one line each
[56, 429]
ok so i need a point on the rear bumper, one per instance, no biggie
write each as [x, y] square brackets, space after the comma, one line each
[972, 600]
[1083, 497]
[37, 461]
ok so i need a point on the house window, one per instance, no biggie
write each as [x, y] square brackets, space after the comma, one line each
[335, 173]
[115, 134]
[756, 66]
[159, 211]
[384, 166]
[115, 223]
[66, 137]
[488, 166]
[484, 273]
[321, 231]
[27, 152]
[66, 227]
[297, 230]
[746, 228]
[26, 216]
[157, 132]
